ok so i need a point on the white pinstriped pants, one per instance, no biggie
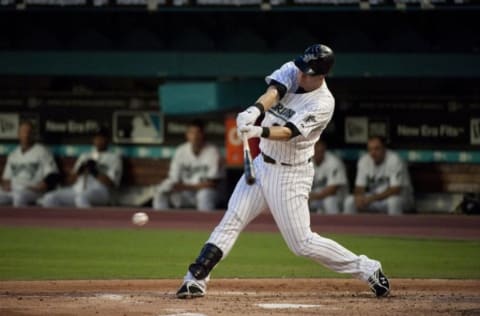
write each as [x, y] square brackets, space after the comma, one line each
[285, 190]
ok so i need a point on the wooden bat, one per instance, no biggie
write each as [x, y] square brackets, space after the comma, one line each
[248, 163]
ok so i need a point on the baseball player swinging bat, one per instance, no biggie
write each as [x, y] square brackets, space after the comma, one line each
[247, 162]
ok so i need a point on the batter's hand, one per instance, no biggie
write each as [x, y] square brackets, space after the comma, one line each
[248, 117]
[250, 131]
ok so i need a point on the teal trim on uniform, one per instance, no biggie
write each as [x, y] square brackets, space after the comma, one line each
[190, 65]
[166, 152]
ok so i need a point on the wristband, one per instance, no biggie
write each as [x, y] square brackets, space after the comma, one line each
[265, 132]
[259, 106]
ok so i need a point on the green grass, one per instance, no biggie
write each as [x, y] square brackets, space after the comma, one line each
[41, 253]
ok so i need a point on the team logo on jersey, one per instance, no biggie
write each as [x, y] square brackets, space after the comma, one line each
[374, 182]
[282, 112]
[30, 169]
[310, 119]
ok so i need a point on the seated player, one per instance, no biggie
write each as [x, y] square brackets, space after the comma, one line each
[93, 177]
[382, 183]
[29, 172]
[194, 172]
[330, 184]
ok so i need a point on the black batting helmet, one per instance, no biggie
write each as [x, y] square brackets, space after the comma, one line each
[317, 59]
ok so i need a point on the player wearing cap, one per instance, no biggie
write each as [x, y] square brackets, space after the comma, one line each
[382, 183]
[298, 106]
[93, 177]
[29, 172]
[330, 183]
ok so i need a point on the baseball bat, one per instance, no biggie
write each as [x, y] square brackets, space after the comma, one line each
[248, 163]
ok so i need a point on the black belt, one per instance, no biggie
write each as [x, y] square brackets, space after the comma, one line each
[269, 159]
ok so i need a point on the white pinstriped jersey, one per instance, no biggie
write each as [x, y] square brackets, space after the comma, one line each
[28, 168]
[310, 112]
[392, 172]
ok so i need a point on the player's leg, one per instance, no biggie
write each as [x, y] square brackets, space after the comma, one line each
[395, 205]
[24, 197]
[331, 205]
[60, 197]
[94, 196]
[349, 206]
[161, 197]
[316, 206]
[6, 198]
[290, 211]
[245, 204]
[206, 199]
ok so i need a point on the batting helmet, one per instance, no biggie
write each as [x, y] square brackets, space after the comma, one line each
[317, 59]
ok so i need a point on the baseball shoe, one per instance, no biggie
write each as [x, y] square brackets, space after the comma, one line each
[379, 284]
[190, 289]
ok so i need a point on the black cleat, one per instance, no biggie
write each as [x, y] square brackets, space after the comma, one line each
[190, 289]
[379, 284]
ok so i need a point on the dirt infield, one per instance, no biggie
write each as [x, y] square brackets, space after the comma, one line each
[242, 296]
[239, 297]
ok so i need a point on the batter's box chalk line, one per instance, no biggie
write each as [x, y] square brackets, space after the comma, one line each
[185, 314]
[291, 306]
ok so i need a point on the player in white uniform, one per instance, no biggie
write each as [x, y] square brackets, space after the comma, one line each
[93, 177]
[330, 184]
[29, 172]
[298, 107]
[382, 183]
[194, 173]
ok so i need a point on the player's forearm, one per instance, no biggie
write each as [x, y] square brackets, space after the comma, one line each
[105, 180]
[269, 98]
[328, 191]
[278, 133]
[359, 191]
[385, 194]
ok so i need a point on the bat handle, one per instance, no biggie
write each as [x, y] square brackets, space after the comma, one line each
[246, 146]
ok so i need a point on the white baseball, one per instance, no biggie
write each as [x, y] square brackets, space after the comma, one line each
[140, 218]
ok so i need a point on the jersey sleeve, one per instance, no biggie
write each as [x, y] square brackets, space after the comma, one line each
[285, 75]
[337, 175]
[311, 118]
[361, 178]
[115, 169]
[175, 165]
[396, 173]
[214, 168]
[79, 162]
[48, 163]
[7, 170]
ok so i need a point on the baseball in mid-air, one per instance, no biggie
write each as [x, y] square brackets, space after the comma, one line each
[140, 218]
